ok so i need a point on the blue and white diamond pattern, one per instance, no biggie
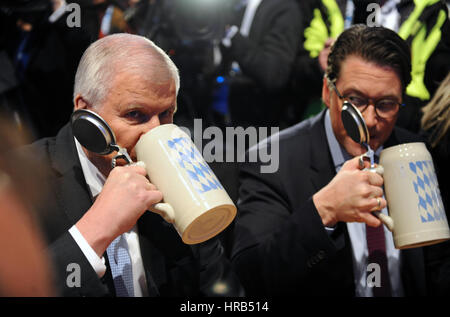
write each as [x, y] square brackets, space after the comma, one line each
[426, 186]
[200, 175]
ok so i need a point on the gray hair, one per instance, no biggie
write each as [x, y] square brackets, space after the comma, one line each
[114, 53]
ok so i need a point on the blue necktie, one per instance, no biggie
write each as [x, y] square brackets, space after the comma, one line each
[120, 264]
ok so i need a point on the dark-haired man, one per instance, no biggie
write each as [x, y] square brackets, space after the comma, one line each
[302, 230]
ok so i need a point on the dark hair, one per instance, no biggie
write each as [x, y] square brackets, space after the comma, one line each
[374, 44]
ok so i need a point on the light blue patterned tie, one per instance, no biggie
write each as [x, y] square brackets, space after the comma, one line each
[120, 264]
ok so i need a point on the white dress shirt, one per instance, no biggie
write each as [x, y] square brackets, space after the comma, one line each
[357, 232]
[95, 181]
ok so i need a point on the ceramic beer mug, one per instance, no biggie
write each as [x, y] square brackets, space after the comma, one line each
[413, 196]
[194, 200]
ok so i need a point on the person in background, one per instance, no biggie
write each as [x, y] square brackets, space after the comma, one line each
[43, 51]
[423, 24]
[436, 128]
[258, 53]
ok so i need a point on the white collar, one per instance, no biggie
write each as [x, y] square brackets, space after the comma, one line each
[250, 10]
[58, 12]
[94, 178]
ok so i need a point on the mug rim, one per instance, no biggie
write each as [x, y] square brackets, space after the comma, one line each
[396, 147]
[154, 130]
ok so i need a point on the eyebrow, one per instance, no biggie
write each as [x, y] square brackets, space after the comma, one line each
[132, 105]
[348, 91]
[138, 106]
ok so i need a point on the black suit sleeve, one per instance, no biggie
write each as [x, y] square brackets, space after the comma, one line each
[73, 273]
[217, 277]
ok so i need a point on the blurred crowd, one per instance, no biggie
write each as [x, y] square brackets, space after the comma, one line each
[242, 63]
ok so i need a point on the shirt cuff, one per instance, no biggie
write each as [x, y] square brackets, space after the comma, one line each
[58, 13]
[229, 36]
[330, 230]
[98, 264]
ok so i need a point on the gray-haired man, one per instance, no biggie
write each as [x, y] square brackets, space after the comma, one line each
[133, 85]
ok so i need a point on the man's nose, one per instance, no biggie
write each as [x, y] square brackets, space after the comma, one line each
[370, 116]
[151, 124]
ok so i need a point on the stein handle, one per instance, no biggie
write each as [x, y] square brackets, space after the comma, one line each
[385, 219]
[388, 221]
[165, 210]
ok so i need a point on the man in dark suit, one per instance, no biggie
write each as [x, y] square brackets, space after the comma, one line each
[263, 42]
[302, 229]
[44, 52]
[133, 85]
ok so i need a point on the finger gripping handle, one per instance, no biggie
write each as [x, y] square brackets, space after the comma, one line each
[385, 219]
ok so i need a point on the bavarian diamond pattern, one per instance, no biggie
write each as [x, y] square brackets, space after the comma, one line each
[200, 175]
[426, 186]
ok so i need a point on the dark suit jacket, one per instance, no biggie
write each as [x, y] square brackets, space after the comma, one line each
[172, 268]
[257, 95]
[281, 246]
[45, 85]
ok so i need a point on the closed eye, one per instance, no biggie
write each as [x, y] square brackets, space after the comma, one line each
[137, 116]
[357, 101]
[387, 103]
[167, 113]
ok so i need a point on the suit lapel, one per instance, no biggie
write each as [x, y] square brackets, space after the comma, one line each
[71, 189]
[75, 199]
[322, 168]
[170, 267]
[322, 171]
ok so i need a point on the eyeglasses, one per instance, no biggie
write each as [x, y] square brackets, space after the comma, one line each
[384, 108]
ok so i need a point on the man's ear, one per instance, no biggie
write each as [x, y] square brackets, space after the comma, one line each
[79, 103]
[326, 94]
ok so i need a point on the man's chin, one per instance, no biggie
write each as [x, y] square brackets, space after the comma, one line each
[374, 144]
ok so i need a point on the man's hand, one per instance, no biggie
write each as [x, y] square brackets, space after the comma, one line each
[323, 55]
[126, 195]
[350, 196]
